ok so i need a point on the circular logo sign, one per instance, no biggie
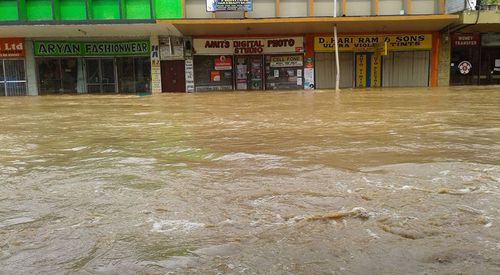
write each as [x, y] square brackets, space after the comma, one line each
[464, 67]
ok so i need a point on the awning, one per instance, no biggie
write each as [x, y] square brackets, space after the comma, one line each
[270, 26]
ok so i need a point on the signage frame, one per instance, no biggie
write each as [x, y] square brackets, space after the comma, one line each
[91, 48]
[12, 47]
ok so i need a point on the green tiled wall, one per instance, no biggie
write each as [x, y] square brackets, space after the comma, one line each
[8, 10]
[36, 10]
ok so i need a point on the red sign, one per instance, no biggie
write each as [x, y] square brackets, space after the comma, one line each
[12, 47]
[466, 40]
[223, 63]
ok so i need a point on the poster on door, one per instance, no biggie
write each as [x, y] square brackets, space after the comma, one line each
[361, 70]
[223, 63]
[376, 70]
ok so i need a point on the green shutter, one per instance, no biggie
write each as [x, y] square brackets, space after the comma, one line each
[70, 9]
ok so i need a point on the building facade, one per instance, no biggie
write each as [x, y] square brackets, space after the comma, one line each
[152, 46]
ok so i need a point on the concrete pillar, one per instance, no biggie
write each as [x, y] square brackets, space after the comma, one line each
[155, 65]
[31, 80]
[444, 60]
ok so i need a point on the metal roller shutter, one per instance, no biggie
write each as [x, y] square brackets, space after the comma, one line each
[325, 70]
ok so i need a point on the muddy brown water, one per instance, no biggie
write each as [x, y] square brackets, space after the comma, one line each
[395, 181]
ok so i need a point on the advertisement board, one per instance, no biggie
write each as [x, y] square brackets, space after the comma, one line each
[229, 5]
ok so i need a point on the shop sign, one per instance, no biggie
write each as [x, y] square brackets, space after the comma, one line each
[466, 40]
[223, 63]
[370, 43]
[249, 46]
[76, 48]
[490, 39]
[229, 5]
[12, 47]
[286, 61]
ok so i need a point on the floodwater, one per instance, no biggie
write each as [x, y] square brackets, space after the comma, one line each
[392, 181]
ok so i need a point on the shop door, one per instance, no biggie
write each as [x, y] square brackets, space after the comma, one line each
[368, 70]
[249, 72]
[173, 77]
[101, 75]
[406, 69]
[12, 77]
[326, 71]
[490, 66]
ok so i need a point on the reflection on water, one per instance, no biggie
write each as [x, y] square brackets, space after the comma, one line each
[392, 181]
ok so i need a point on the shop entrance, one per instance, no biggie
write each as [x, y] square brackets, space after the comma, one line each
[249, 72]
[173, 77]
[368, 70]
[101, 75]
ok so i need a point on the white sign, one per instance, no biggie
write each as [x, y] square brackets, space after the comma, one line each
[249, 45]
[155, 69]
[189, 73]
[286, 61]
[464, 67]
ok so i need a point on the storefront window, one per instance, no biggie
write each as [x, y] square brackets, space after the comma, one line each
[213, 72]
[12, 77]
[284, 72]
[57, 75]
[134, 74]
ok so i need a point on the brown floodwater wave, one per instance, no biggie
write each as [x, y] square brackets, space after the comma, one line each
[391, 181]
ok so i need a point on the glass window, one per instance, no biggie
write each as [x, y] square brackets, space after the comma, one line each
[12, 77]
[213, 72]
[142, 67]
[49, 75]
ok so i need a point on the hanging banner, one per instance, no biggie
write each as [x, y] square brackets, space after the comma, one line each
[229, 5]
[370, 43]
[12, 47]
[189, 71]
[249, 45]
[77, 48]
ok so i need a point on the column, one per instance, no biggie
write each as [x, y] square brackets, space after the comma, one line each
[155, 65]
[31, 82]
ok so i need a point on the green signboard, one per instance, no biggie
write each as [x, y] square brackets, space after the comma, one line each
[77, 48]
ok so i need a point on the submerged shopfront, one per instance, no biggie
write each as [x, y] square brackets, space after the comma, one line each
[12, 67]
[382, 60]
[247, 64]
[93, 67]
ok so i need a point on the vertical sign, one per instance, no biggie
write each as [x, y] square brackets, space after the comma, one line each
[155, 69]
[309, 73]
[376, 70]
[189, 71]
[361, 70]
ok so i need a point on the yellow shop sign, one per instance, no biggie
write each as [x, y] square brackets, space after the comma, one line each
[370, 43]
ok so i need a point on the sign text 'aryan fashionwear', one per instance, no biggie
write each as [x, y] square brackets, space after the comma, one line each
[76, 48]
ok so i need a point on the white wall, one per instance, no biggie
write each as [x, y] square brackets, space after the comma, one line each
[423, 7]
[294, 8]
[358, 7]
[390, 7]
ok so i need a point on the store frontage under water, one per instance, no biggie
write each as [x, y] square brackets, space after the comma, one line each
[92, 67]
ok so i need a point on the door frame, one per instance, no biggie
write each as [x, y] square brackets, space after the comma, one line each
[99, 59]
[247, 59]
